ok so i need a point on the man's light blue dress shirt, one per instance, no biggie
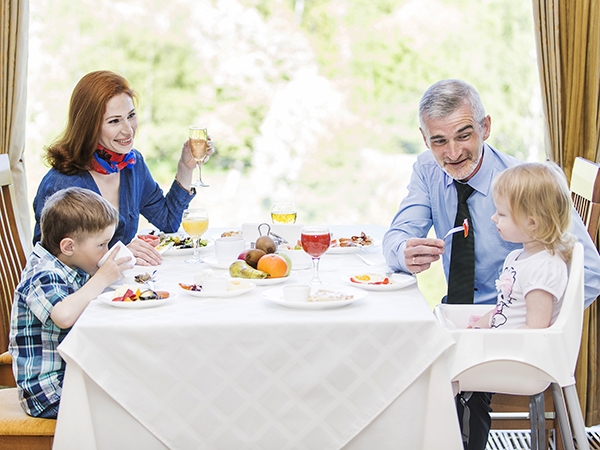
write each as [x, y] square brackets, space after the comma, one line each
[432, 201]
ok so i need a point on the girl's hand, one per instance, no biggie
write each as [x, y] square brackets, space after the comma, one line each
[480, 322]
[145, 254]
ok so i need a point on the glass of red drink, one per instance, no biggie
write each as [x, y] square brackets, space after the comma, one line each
[315, 241]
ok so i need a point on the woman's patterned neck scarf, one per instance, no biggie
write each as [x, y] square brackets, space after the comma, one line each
[106, 161]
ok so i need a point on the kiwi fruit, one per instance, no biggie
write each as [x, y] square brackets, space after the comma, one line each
[266, 244]
[252, 257]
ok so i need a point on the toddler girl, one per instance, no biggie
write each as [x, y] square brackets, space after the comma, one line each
[533, 207]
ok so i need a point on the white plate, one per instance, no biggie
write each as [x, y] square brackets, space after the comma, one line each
[129, 278]
[139, 304]
[176, 251]
[275, 295]
[212, 262]
[165, 249]
[399, 281]
[355, 249]
[343, 250]
[218, 235]
[270, 281]
[224, 294]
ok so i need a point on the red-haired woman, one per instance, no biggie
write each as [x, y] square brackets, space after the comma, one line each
[96, 152]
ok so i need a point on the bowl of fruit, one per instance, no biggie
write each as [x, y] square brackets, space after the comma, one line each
[263, 264]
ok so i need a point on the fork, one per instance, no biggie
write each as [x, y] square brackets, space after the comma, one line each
[365, 260]
[464, 227]
[150, 282]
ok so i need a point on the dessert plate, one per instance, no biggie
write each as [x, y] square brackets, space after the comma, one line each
[223, 294]
[275, 295]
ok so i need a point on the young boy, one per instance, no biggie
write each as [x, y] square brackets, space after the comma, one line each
[56, 287]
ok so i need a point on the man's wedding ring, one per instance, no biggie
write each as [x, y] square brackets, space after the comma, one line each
[414, 262]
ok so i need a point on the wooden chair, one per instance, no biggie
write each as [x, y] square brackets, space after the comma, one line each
[585, 191]
[18, 431]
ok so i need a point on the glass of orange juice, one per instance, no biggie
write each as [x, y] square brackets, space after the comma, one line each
[195, 223]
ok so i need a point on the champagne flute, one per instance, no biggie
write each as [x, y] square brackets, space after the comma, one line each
[195, 223]
[315, 241]
[283, 212]
[199, 148]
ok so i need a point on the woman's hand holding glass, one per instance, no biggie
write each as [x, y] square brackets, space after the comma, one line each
[188, 164]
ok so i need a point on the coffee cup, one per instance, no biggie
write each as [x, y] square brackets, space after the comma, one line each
[214, 284]
[296, 292]
[227, 249]
[122, 253]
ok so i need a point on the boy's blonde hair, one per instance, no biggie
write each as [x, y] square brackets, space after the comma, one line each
[539, 191]
[74, 212]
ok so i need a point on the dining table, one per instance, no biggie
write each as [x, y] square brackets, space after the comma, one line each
[243, 371]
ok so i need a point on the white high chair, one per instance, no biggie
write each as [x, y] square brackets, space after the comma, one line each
[523, 362]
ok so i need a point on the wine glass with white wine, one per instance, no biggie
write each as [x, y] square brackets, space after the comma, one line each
[283, 212]
[199, 148]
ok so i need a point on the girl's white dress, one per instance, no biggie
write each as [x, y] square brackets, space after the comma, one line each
[522, 275]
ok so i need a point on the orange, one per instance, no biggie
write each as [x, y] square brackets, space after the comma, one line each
[273, 264]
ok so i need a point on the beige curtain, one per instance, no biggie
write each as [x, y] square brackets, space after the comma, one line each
[14, 29]
[568, 41]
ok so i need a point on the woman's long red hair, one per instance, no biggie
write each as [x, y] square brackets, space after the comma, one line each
[72, 151]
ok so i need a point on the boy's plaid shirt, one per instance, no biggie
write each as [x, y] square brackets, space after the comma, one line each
[38, 368]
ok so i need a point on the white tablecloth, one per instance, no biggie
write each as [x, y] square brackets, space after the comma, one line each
[243, 373]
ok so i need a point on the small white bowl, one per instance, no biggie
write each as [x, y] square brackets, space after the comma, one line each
[296, 292]
[214, 284]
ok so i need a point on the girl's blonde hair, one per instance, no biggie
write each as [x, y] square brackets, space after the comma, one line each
[539, 191]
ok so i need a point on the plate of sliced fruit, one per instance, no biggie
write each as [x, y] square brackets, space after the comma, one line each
[126, 297]
[373, 281]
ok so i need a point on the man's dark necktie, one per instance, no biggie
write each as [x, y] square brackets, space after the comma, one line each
[461, 279]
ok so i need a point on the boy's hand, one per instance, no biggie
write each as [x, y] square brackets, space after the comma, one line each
[66, 312]
[112, 268]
